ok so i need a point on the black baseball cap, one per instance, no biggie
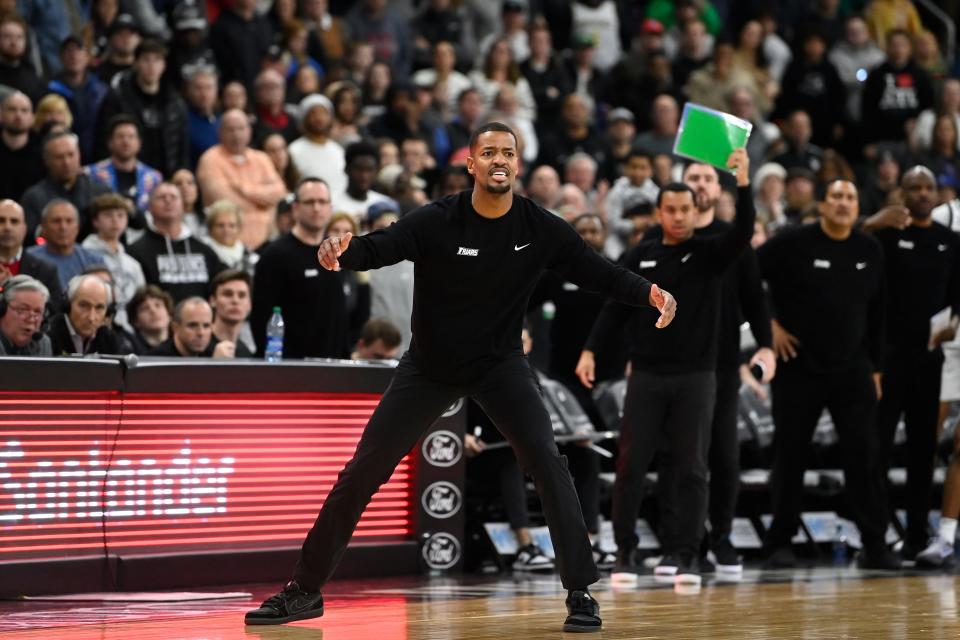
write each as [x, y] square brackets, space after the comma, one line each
[121, 22]
[71, 39]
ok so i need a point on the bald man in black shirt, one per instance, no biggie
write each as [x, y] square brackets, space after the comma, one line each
[923, 258]
[827, 297]
[477, 256]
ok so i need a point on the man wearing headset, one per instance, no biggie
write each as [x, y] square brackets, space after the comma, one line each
[22, 302]
[82, 327]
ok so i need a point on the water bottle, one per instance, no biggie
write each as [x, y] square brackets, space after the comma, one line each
[274, 350]
[839, 546]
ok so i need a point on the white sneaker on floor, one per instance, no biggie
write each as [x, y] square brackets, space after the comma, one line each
[532, 558]
[938, 554]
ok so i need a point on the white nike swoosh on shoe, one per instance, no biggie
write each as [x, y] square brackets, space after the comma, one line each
[518, 247]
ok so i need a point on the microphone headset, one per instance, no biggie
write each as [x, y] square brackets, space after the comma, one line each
[11, 285]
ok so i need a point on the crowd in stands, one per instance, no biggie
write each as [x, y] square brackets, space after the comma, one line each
[169, 167]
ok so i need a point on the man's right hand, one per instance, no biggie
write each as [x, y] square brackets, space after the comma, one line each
[895, 216]
[331, 249]
[784, 342]
[586, 369]
[225, 350]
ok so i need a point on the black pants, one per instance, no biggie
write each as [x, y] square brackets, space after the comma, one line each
[799, 398]
[672, 411]
[509, 395]
[723, 461]
[911, 387]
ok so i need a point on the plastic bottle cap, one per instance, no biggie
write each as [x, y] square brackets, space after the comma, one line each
[276, 309]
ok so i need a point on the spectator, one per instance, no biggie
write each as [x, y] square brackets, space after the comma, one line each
[854, 57]
[224, 220]
[15, 70]
[391, 288]
[379, 340]
[311, 298]
[269, 104]
[666, 121]
[329, 37]
[543, 187]
[573, 202]
[798, 151]
[21, 158]
[110, 214]
[506, 109]
[581, 171]
[356, 285]
[375, 90]
[749, 57]
[828, 333]
[203, 120]
[158, 109]
[696, 45]
[825, 17]
[801, 196]
[599, 19]
[314, 153]
[52, 115]
[59, 226]
[453, 180]
[23, 301]
[102, 15]
[943, 157]
[439, 22]
[587, 80]
[65, 180]
[193, 215]
[361, 159]
[240, 39]
[189, 49]
[374, 21]
[635, 186]
[347, 118]
[921, 138]
[621, 131]
[768, 189]
[13, 259]
[467, 118]
[630, 77]
[233, 171]
[886, 16]
[231, 303]
[711, 84]
[168, 258]
[926, 53]
[275, 146]
[894, 94]
[47, 22]
[574, 134]
[500, 68]
[512, 29]
[881, 182]
[83, 91]
[447, 82]
[149, 313]
[812, 84]
[668, 12]
[82, 326]
[233, 95]
[191, 333]
[546, 75]
[123, 38]
[122, 171]
[740, 102]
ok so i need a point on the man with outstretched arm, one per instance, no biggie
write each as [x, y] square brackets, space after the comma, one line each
[478, 256]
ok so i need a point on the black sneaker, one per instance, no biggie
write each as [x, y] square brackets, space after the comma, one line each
[725, 557]
[291, 604]
[584, 613]
[688, 571]
[667, 565]
[881, 559]
[626, 568]
[781, 558]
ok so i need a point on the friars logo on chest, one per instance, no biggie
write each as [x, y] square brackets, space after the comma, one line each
[466, 251]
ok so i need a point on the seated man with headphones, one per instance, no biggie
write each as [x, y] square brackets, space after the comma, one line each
[81, 327]
[22, 304]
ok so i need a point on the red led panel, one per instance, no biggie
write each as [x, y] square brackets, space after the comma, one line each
[180, 472]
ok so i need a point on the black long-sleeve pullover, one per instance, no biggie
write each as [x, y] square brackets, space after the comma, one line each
[473, 278]
[829, 294]
[741, 298]
[923, 277]
[693, 272]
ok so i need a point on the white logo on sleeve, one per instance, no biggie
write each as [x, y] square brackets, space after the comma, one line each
[311, 273]
[685, 258]
[941, 247]
[518, 247]
[861, 266]
[648, 264]
[464, 251]
[905, 244]
[821, 264]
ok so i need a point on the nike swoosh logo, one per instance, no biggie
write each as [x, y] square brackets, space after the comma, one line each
[686, 257]
[518, 247]
[861, 265]
[299, 604]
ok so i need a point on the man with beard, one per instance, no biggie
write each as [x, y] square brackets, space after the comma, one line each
[314, 153]
[923, 258]
[478, 255]
[742, 298]
[357, 198]
[21, 160]
[122, 171]
[827, 291]
[672, 386]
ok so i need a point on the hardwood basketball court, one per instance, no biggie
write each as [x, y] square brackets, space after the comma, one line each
[810, 604]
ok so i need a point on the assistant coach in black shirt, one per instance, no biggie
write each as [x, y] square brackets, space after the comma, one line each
[477, 255]
[672, 387]
[924, 259]
[827, 296]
